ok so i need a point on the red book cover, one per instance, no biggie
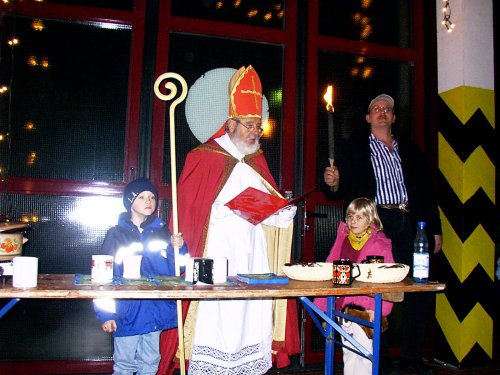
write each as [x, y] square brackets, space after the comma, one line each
[255, 206]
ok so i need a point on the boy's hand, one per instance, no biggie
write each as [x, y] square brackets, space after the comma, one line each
[177, 240]
[109, 326]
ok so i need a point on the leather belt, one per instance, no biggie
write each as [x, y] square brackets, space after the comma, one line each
[403, 207]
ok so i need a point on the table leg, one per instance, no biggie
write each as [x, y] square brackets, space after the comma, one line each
[332, 326]
[377, 330]
[330, 342]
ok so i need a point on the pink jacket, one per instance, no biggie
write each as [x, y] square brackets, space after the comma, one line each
[377, 244]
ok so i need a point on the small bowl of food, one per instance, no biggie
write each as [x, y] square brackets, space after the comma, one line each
[308, 271]
[382, 272]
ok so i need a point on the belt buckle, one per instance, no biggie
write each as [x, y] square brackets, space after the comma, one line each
[404, 207]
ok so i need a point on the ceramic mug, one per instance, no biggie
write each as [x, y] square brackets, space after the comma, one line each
[343, 270]
[102, 268]
[374, 259]
[203, 270]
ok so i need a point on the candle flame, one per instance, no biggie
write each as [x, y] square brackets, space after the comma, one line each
[329, 98]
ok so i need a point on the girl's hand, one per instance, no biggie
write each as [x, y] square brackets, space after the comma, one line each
[177, 240]
[109, 326]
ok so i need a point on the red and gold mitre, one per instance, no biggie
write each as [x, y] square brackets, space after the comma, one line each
[245, 94]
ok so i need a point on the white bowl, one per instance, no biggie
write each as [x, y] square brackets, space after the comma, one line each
[382, 272]
[315, 271]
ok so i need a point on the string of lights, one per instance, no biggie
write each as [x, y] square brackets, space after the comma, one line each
[446, 22]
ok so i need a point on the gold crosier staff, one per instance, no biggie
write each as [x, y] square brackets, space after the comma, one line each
[172, 91]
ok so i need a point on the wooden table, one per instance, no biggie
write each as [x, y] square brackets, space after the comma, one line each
[55, 286]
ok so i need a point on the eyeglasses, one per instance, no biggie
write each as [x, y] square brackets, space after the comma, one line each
[378, 109]
[251, 126]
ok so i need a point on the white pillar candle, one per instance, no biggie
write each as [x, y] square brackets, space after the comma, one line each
[132, 267]
[25, 272]
[220, 270]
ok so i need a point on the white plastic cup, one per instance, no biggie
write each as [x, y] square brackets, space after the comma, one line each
[188, 274]
[102, 268]
[220, 270]
[25, 272]
[132, 267]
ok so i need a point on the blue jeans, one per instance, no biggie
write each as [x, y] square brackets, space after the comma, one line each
[139, 354]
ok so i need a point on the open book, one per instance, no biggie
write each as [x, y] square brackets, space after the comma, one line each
[255, 205]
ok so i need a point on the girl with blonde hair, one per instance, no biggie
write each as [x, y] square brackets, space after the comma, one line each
[358, 237]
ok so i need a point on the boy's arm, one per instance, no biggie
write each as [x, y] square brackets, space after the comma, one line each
[105, 309]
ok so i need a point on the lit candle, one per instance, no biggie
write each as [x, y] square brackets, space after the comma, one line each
[331, 124]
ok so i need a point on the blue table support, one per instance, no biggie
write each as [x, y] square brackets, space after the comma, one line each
[8, 306]
[332, 326]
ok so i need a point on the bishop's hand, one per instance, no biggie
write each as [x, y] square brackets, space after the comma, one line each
[220, 210]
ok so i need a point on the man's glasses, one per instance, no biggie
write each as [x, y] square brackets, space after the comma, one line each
[251, 126]
[378, 109]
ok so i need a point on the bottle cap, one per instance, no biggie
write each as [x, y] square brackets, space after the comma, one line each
[421, 225]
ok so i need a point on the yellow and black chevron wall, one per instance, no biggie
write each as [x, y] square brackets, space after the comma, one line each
[467, 201]
[467, 138]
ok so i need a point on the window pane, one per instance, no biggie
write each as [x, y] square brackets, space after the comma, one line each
[108, 4]
[377, 21]
[192, 56]
[357, 80]
[66, 105]
[65, 232]
[269, 13]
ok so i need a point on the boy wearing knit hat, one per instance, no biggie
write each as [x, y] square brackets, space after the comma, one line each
[136, 325]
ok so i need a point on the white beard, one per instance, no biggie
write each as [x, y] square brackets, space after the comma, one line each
[244, 148]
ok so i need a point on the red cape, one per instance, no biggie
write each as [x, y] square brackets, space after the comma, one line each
[205, 173]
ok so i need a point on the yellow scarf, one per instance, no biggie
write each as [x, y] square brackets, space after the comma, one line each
[358, 240]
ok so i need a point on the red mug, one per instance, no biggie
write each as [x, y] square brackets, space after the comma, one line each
[343, 272]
